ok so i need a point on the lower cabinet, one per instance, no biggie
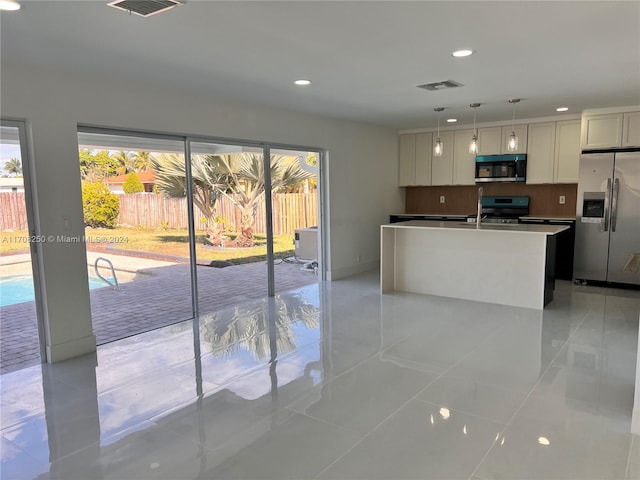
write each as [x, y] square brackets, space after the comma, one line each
[564, 246]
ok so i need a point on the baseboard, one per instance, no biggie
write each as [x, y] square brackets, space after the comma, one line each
[343, 272]
[74, 348]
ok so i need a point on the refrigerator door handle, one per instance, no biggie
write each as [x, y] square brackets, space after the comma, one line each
[614, 204]
[607, 200]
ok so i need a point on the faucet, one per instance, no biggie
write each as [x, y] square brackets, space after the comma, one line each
[479, 215]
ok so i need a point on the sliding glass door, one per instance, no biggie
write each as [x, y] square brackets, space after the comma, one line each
[295, 218]
[137, 231]
[193, 226]
[228, 185]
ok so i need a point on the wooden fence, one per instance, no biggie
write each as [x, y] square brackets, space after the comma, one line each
[290, 212]
[13, 213]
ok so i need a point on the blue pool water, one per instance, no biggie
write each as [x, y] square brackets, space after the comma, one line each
[19, 289]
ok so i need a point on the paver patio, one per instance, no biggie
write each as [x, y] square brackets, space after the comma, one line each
[147, 303]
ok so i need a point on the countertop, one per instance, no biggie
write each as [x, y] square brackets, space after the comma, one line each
[557, 219]
[493, 227]
[439, 215]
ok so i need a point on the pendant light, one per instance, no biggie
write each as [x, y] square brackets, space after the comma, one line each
[512, 143]
[437, 145]
[473, 146]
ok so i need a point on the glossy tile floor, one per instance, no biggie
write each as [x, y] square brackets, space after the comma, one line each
[334, 381]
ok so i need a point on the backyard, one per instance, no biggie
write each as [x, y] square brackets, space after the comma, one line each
[159, 242]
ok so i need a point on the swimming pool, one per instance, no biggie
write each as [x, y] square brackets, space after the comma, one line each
[19, 288]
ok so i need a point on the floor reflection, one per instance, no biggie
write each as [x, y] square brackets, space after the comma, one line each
[336, 381]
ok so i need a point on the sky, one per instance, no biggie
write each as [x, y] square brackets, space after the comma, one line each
[7, 152]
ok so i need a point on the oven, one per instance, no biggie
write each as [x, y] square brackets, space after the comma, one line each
[503, 209]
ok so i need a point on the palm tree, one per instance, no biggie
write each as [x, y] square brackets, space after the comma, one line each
[239, 177]
[13, 167]
[209, 178]
[141, 161]
[246, 189]
[126, 161]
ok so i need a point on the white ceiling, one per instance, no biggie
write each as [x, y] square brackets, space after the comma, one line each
[365, 58]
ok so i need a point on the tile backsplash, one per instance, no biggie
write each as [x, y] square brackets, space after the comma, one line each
[462, 199]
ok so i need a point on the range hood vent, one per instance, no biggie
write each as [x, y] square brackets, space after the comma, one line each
[144, 8]
[446, 84]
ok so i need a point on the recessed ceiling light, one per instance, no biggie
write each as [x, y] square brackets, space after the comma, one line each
[562, 109]
[302, 82]
[9, 5]
[462, 53]
[452, 120]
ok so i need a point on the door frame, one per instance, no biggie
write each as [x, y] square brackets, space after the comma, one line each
[33, 225]
[266, 147]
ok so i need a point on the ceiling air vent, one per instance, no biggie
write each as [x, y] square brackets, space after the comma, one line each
[440, 85]
[144, 8]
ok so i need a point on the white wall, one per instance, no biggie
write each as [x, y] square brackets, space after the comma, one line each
[362, 170]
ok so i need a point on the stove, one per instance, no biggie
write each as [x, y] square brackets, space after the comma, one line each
[504, 209]
[499, 220]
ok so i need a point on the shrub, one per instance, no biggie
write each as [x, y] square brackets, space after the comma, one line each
[99, 205]
[132, 184]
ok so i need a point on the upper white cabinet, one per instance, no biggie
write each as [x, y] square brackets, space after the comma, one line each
[407, 160]
[610, 130]
[442, 167]
[631, 129]
[414, 160]
[541, 152]
[521, 132]
[424, 149]
[567, 152]
[489, 139]
[601, 131]
[464, 163]
[553, 152]
[493, 140]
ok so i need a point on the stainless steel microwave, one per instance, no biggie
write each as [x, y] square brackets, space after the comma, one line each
[501, 168]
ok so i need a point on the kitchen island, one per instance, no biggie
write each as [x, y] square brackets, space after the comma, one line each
[495, 263]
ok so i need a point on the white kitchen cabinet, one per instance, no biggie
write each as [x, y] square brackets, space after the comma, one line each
[442, 167]
[553, 152]
[567, 152]
[541, 152]
[631, 129]
[407, 160]
[601, 131]
[464, 163]
[414, 159]
[424, 149]
[493, 140]
[489, 139]
[521, 132]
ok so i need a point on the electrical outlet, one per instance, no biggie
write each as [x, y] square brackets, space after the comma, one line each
[562, 199]
[441, 198]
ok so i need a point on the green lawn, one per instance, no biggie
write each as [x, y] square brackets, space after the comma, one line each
[159, 241]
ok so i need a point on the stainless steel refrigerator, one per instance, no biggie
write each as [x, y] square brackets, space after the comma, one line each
[607, 247]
